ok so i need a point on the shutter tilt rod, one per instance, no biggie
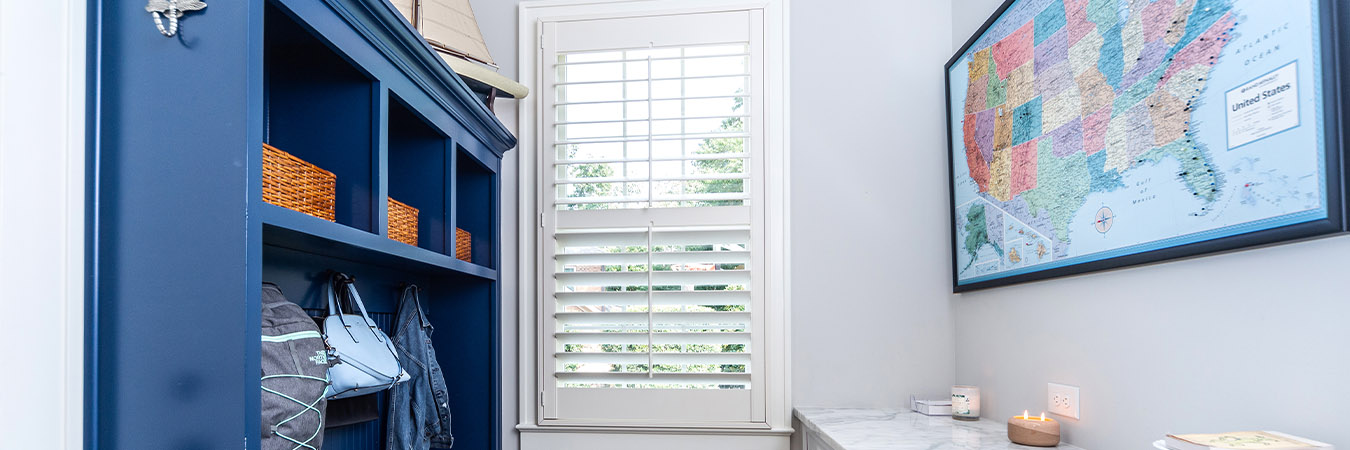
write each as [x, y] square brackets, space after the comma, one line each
[650, 224]
[650, 343]
[650, 151]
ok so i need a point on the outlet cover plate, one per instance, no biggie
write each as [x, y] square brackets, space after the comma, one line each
[1062, 399]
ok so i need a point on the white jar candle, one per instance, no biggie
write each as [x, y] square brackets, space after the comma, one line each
[966, 402]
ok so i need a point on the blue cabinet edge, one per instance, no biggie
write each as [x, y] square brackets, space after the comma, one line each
[386, 29]
[299, 231]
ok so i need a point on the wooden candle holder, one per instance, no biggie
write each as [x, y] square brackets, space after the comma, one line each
[1033, 431]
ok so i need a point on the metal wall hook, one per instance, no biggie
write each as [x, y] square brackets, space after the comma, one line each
[173, 9]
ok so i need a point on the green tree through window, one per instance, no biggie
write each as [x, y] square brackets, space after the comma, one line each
[722, 166]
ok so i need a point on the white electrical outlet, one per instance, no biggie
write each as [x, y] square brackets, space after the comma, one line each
[1062, 399]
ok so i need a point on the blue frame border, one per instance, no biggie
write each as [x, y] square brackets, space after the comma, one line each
[1334, 36]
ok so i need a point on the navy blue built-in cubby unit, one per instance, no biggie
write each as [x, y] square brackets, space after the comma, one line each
[182, 240]
[322, 108]
[476, 211]
[419, 168]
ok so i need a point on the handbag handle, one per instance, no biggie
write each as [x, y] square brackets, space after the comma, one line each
[342, 281]
[338, 281]
[333, 308]
[354, 297]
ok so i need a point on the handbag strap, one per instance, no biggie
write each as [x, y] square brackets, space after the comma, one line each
[338, 281]
[334, 281]
[370, 371]
[354, 297]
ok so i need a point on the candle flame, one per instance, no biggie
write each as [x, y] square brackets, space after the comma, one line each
[1026, 415]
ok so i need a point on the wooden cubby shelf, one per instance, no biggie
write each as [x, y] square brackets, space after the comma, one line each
[297, 231]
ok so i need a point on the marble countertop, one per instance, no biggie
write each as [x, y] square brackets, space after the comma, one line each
[882, 429]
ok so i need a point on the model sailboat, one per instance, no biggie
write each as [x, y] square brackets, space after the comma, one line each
[451, 29]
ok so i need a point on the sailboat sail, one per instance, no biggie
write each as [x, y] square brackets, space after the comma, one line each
[449, 26]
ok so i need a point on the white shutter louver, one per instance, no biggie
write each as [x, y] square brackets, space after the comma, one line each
[652, 127]
[653, 307]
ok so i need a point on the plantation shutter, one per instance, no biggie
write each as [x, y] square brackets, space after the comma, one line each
[652, 225]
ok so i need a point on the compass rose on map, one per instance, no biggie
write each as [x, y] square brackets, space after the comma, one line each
[1105, 217]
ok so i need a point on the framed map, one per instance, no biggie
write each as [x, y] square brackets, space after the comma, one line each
[1093, 134]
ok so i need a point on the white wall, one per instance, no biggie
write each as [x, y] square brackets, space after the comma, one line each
[871, 320]
[497, 19]
[1249, 340]
[42, 223]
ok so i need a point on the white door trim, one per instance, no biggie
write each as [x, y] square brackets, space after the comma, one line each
[42, 220]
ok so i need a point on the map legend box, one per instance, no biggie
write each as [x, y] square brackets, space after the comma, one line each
[1263, 107]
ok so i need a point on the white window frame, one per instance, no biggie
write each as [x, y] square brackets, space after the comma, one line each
[776, 381]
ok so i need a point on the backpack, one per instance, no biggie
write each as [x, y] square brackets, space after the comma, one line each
[294, 375]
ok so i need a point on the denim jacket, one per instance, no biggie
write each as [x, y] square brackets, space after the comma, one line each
[419, 409]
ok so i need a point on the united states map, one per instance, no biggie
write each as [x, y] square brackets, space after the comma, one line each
[1075, 95]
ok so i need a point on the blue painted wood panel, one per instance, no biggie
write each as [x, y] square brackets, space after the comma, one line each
[176, 285]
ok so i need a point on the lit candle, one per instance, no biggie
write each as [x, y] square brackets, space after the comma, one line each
[1035, 431]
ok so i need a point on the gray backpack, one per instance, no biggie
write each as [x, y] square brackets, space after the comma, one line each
[294, 375]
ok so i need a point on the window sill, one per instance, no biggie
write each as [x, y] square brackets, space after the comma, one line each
[532, 428]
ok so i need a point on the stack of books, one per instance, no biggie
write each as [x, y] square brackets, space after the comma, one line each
[1244, 440]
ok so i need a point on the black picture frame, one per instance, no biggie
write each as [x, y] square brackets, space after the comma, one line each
[1335, 42]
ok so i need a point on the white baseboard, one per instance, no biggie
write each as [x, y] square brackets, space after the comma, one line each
[648, 441]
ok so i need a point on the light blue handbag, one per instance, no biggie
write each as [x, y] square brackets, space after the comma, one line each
[367, 360]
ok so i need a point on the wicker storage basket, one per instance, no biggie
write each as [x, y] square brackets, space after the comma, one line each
[402, 222]
[292, 183]
[463, 245]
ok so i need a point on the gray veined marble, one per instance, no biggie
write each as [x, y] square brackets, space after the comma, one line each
[881, 429]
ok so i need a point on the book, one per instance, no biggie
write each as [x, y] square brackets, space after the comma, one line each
[933, 407]
[1243, 440]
